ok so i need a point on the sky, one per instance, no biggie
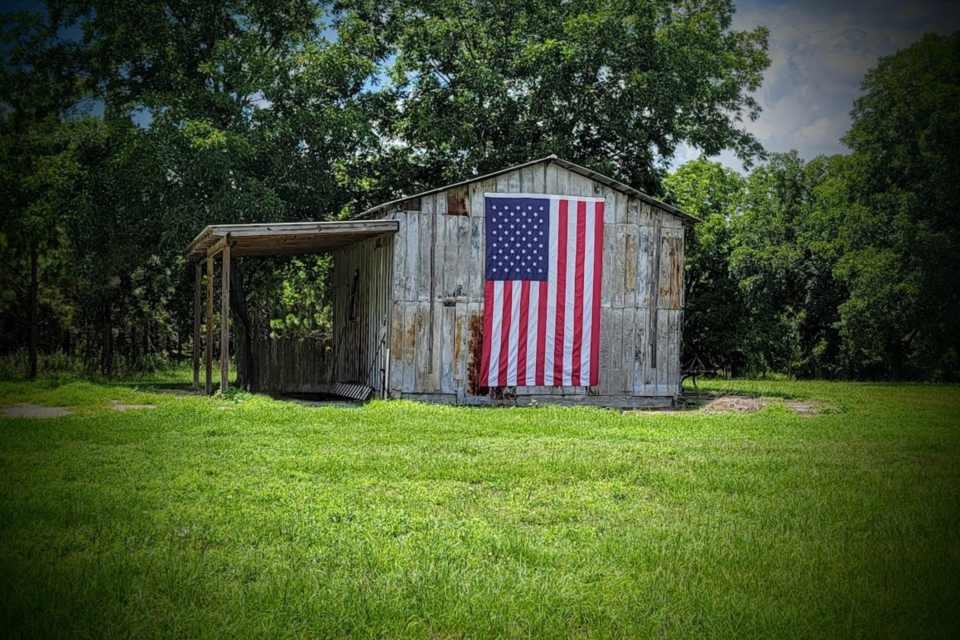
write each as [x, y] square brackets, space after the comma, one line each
[819, 52]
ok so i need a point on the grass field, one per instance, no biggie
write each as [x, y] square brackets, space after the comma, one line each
[246, 517]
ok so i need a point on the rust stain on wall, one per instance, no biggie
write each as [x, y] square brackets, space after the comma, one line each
[458, 337]
[671, 273]
[410, 340]
[631, 262]
[476, 353]
[457, 201]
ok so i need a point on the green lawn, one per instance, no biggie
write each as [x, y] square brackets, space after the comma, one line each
[249, 517]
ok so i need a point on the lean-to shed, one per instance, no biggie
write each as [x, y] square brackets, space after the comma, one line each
[408, 278]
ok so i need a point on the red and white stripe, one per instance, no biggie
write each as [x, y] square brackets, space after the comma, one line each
[548, 333]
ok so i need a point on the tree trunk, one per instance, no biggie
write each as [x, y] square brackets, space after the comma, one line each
[34, 342]
[247, 367]
[106, 364]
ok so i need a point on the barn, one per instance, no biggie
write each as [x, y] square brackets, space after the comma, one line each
[409, 291]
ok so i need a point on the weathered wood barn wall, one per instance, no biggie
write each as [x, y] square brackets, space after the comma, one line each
[435, 315]
[362, 275]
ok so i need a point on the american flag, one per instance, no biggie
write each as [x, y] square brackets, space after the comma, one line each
[544, 257]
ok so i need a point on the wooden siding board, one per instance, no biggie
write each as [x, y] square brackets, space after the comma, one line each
[673, 351]
[630, 260]
[644, 265]
[448, 321]
[410, 347]
[663, 365]
[610, 277]
[619, 266]
[551, 181]
[526, 180]
[412, 256]
[397, 349]
[423, 358]
[626, 349]
[639, 353]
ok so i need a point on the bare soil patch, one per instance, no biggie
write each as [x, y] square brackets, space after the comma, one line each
[25, 410]
[708, 403]
[739, 404]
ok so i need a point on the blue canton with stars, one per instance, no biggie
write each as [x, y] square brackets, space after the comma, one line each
[518, 233]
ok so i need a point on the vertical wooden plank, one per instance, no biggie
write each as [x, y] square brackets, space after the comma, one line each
[435, 329]
[197, 310]
[639, 353]
[632, 206]
[673, 352]
[472, 349]
[426, 248]
[409, 384]
[448, 325]
[423, 357]
[513, 182]
[209, 361]
[654, 296]
[552, 180]
[611, 278]
[564, 188]
[616, 351]
[620, 207]
[644, 265]
[412, 227]
[475, 199]
[450, 246]
[225, 317]
[606, 347]
[465, 259]
[539, 178]
[475, 261]
[619, 267]
[630, 266]
[627, 351]
[526, 180]
[663, 366]
[399, 241]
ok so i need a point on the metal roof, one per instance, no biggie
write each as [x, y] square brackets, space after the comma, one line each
[570, 166]
[288, 238]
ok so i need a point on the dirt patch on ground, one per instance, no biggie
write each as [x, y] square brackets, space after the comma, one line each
[708, 403]
[739, 404]
[24, 410]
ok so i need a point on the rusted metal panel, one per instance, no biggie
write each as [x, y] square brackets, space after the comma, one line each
[475, 353]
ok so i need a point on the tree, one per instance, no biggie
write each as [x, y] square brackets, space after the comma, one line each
[36, 167]
[715, 316]
[902, 260]
[615, 85]
[239, 111]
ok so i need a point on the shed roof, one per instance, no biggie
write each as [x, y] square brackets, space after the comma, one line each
[593, 175]
[288, 238]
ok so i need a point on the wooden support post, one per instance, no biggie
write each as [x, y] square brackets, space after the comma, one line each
[209, 363]
[225, 316]
[197, 310]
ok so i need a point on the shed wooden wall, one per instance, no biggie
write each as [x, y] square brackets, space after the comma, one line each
[288, 365]
[436, 320]
[362, 275]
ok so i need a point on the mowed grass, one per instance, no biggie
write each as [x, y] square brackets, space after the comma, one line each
[249, 517]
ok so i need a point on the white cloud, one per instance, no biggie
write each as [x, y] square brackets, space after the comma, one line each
[819, 52]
